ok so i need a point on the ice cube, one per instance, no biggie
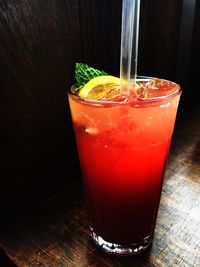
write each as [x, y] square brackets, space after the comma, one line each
[155, 88]
[91, 130]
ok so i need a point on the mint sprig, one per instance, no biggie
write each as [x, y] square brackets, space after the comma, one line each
[85, 73]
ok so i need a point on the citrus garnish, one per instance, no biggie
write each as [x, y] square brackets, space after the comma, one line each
[101, 87]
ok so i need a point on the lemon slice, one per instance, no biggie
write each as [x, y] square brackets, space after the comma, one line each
[101, 87]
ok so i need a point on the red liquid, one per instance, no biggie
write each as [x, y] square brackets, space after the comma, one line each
[123, 150]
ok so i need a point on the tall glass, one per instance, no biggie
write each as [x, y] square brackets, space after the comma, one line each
[123, 148]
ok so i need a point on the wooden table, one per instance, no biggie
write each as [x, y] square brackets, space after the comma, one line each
[57, 234]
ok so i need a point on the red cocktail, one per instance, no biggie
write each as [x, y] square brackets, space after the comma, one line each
[123, 146]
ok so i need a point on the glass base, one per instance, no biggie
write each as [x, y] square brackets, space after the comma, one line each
[122, 250]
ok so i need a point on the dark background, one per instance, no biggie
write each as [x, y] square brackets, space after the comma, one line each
[40, 41]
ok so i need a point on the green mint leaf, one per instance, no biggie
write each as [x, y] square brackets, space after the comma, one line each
[85, 73]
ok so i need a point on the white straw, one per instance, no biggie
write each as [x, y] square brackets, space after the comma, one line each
[129, 43]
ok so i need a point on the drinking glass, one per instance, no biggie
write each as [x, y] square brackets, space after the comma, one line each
[123, 148]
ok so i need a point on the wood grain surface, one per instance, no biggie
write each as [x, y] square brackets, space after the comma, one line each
[159, 38]
[193, 79]
[57, 233]
[40, 41]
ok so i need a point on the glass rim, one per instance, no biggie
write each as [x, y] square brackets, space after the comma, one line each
[110, 102]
